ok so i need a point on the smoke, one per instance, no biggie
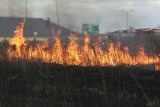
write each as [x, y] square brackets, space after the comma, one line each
[73, 13]
[16, 8]
[108, 15]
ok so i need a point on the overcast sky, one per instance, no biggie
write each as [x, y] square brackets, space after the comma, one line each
[73, 13]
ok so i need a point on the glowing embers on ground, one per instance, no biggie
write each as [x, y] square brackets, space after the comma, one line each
[76, 54]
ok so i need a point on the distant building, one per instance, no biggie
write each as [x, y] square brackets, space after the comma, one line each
[147, 31]
[131, 33]
[121, 34]
[157, 32]
[33, 27]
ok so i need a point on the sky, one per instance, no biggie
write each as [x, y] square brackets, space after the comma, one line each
[110, 15]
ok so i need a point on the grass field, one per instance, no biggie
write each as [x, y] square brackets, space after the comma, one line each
[37, 84]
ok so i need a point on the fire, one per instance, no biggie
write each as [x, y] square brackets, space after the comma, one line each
[18, 41]
[75, 54]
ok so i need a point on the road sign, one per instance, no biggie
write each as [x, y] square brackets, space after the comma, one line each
[90, 29]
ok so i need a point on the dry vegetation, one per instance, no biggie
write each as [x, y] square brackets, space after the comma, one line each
[32, 80]
[37, 84]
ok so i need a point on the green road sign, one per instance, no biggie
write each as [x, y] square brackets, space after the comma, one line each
[90, 29]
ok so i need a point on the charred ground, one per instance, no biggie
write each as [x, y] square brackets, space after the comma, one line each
[38, 84]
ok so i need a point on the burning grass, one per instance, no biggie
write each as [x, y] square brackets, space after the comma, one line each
[85, 54]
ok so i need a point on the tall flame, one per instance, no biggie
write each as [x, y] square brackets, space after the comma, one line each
[18, 39]
[76, 54]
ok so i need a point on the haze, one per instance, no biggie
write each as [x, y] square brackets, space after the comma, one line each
[73, 13]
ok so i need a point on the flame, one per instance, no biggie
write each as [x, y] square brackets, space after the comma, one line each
[75, 54]
[18, 41]
[72, 53]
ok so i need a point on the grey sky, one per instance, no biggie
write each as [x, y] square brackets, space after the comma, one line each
[73, 13]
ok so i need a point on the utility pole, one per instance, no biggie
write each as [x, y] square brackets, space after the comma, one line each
[26, 8]
[26, 19]
[127, 18]
[57, 12]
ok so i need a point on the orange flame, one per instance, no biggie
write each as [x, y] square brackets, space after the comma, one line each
[18, 41]
[75, 54]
